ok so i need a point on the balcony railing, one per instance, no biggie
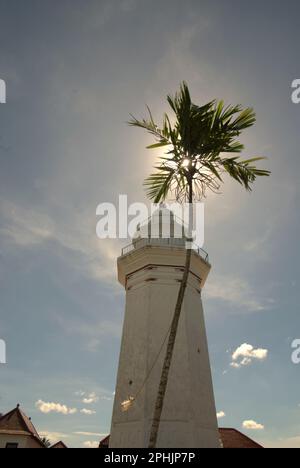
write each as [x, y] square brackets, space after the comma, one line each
[161, 242]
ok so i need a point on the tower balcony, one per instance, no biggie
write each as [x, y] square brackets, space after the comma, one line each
[164, 255]
[161, 242]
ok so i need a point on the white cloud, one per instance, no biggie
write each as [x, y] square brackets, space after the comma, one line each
[47, 408]
[245, 354]
[235, 365]
[91, 398]
[236, 292]
[53, 436]
[90, 434]
[91, 444]
[252, 425]
[87, 412]
[221, 415]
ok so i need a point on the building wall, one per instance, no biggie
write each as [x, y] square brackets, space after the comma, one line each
[24, 441]
[189, 415]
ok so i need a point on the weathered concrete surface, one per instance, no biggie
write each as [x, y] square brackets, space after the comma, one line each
[151, 277]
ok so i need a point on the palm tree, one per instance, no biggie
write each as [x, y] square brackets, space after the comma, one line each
[202, 146]
[46, 442]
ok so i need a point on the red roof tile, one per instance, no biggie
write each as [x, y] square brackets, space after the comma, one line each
[233, 439]
[59, 445]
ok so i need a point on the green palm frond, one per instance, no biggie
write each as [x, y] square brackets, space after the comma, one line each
[158, 185]
[244, 172]
[198, 142]
[162, 136]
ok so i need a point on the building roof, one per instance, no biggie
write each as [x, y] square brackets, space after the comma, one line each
[231, 439]
[17, 423]
[59, 445]
[104, 443]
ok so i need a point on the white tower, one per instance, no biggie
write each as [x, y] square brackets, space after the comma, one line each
[150, 271]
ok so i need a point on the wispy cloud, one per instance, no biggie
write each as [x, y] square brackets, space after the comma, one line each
[281, 442]
[29, 227]
[87, 412]
[25, 227]
[221, 415]
[89, 398]
[54, 436]
[93, 332]
[257, 243]
[236, 292]
[101, 14]
[179, 58]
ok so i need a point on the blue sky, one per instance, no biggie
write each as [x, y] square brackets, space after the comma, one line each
[74, 71]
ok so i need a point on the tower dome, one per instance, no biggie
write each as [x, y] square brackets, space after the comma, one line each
[161, 226]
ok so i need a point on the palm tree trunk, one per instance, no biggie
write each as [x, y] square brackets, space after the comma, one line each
[171, 343]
